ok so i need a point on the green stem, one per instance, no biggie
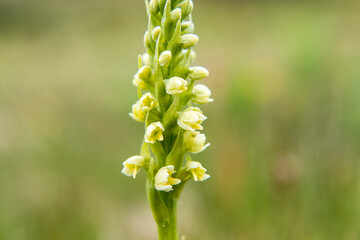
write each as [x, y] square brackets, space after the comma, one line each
[168, 230]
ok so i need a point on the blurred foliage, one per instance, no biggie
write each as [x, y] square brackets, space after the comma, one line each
[285, 126]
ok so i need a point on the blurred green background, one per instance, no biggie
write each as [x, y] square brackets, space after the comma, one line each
[284, 127]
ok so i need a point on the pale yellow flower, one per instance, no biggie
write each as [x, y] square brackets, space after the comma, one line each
[163, 179]
[191, 119]
[175, 85]
[196, 170]
[195, 141]
[137, 113]
[154, 132]
[147, 102]
[201, 94]
[133, 165]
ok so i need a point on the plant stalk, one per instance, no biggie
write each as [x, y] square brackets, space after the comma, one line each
[168, 230]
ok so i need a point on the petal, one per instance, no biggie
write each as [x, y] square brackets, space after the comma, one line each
[204, 177]
[183, 125]
[159, 124]
[135, 171]
[191, 165]
[205, 147]
[127, 172]
[149, 140]
[160, 137]
[174, 181]
[165, 188]
[197, 126]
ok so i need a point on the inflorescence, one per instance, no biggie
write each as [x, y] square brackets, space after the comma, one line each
[168, 103]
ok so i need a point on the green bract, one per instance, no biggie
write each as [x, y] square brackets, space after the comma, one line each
[165, 86]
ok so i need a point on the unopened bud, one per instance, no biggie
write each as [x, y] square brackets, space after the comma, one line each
[154, 7]
[189, 40]
[155, 33]
[165, 58]
[147, 40]
[186, 8]
[201, 94]
[176, 15]
[198, 73]
[144, 73]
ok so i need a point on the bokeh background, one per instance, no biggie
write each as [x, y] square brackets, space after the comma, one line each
[285, 126]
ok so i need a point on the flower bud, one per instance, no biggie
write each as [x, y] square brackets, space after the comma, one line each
[196, 170]
[144, 73]
[137, 113]
[147, 40]
[146, 59]
[147, 102]
[175, 85]
[191, 119]
[133, 165]
[154, 132]
[186, 8]
[163, 179]
[155, 33]
[195, 141]
[189, 40]
[154, 7]
[176, 15]
[165, 58]
[198, 73]
[201, 94]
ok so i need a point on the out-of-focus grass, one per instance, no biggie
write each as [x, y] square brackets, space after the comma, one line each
[285, 126]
